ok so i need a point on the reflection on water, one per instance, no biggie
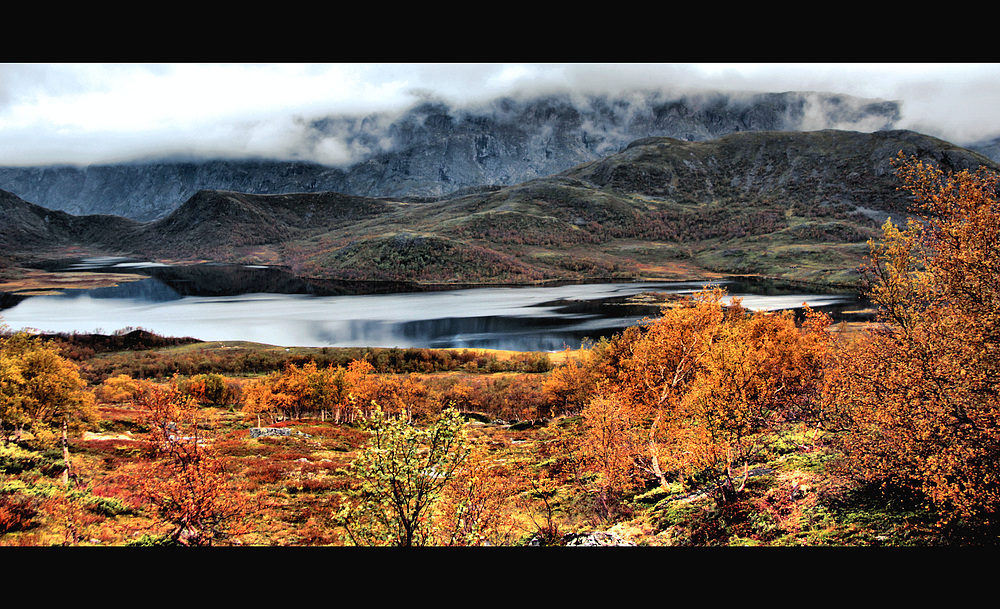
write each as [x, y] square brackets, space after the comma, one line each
[517, 318]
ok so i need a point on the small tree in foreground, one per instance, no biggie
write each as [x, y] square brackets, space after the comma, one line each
[476, 507]
[43, 392]
[402, 470]
[186, 483]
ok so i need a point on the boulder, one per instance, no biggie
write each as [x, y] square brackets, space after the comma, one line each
[260, 432]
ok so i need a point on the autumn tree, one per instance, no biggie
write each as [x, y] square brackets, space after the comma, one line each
[39, 389]
[296, 392]
[761, 371]
[118, 389]
[210, 390]
[461, 396]
[343, 394]
[394, 395]
[701, 389]
[43, 392]
[476, 507]
[260, 398]
[311, 390]
[655, 365]
[185, 482]
[569, 386]
[402, 471]
[612, 440]
[917, 395]
[362, 388]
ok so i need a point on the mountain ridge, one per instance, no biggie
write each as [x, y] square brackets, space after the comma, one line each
[797, 205]
[434, 149]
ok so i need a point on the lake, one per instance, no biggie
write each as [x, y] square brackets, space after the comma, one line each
[216, 303]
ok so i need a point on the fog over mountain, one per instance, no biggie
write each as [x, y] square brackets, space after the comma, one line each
[434, 148]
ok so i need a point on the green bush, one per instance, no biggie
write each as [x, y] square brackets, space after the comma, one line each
[15, 459]
[108, 506]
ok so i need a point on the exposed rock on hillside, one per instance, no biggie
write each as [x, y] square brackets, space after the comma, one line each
[433, 149]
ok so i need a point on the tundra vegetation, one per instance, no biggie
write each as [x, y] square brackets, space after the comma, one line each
[710, 425]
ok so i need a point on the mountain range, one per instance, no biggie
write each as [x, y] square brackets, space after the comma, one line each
[434, 149]
[797, 205]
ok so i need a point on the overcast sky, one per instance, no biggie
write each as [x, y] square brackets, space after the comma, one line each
[92, 113]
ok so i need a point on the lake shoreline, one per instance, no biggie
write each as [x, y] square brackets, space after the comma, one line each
[86, 273]
[265, 304]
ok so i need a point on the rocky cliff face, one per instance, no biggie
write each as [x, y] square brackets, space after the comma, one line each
[433, 149]
[989, 148]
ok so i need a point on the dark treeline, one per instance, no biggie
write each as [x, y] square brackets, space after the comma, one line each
[144, 355]
[79, 346]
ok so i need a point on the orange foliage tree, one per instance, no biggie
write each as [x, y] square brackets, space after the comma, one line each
[701, 389]
[118, 389]
[40, 390]
[569, 387]
[462, 397]
[476, 506]
[611, 440]
[345, 395]
[660, 365]
[917, 395]
[761, 371]
[297, 392]
[185, 482]
[394, 395]
[309, 389]
[211, 389]
[260, 397]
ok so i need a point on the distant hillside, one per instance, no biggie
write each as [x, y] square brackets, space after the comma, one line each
[26, 227]
[212, 220]
[433, 149]
[798, 205]
[822, 169]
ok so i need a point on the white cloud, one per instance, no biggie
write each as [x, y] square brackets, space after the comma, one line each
[87, 113]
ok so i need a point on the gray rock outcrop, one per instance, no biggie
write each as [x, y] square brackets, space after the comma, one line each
[434, 149]
[263, 432]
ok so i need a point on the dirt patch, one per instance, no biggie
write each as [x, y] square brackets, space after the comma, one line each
[89, 435]
[33, 282]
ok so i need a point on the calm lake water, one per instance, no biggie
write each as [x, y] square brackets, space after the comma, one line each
[223, 303]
